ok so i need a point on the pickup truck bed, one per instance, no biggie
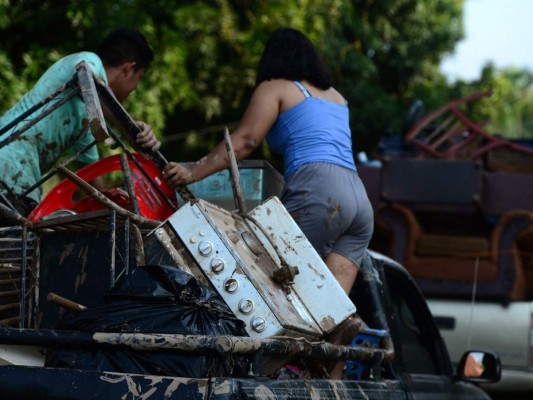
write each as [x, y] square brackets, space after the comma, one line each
[386, 298]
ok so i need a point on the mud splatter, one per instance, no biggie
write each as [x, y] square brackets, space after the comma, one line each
[334, 212]
[295, 215]
[223, 388]
[132, 388]
[313, 392]
[51, 146]
[263, 393]
[365, 397]
[68, 250]
[316, 271]
[328, 323]
[80, 279]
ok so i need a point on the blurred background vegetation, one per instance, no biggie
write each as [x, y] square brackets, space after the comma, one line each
[383, 54]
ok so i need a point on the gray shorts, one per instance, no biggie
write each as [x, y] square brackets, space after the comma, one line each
[330, 205]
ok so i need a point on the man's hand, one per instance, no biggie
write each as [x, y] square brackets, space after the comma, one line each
[177, 175]
[146, 139]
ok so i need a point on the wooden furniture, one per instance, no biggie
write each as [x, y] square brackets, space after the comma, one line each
[432, 217]
[448, 264]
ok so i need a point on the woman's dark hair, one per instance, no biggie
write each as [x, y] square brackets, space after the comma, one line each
[125, 45]
[290, 55]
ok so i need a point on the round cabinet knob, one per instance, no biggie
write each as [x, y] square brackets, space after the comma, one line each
[205, 247]
[259, 324]
[231, 285]
[246, 306]
[217, 265]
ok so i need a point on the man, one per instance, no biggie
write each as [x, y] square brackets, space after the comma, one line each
[120, 62]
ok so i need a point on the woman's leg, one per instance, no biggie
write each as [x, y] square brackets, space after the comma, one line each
[343, 269]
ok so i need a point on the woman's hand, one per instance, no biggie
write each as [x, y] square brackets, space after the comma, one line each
[177, 175]
[146, 138]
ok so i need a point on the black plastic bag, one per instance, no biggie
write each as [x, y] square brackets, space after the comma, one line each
[156, 299]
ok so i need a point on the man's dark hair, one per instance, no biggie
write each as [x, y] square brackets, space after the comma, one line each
[289, 54]
[125, 45]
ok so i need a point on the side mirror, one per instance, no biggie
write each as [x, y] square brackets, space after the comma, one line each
[480, 367]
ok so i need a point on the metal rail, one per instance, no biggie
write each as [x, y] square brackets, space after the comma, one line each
[222, 345]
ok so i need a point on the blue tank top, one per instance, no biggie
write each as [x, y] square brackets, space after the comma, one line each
[314, 130]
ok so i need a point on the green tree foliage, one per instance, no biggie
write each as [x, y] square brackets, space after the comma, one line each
[509, 110]
[383, 54]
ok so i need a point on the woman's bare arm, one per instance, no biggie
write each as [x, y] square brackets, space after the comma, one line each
[259, 117]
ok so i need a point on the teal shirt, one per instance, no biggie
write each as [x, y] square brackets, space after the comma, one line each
[26, 159]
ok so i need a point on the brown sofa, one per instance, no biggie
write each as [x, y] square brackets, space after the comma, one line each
[446, 263]
[525, 246]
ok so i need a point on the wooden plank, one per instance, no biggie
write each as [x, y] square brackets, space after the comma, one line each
[92, 102]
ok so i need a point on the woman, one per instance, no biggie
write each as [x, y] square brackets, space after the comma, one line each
[302, 117]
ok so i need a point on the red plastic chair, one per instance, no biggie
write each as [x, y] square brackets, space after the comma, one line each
[455, 136]
[151, 204]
